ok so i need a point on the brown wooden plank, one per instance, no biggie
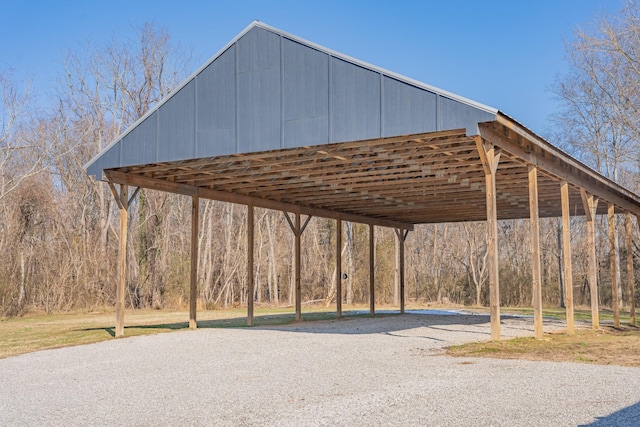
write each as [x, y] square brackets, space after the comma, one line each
[298, 235]
[122, 259]
[566, 248]
[590, 206]
[536, 270]
[492, 231]
[372, 260]
[338, 268]
[401, 239]
[565, 169]
[161, 185]
[630, 275]
[250, 273]
[613, 265]
[193, 288]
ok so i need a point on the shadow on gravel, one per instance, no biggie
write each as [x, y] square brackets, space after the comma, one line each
[388, 323]
[629, 416]
[354, 322]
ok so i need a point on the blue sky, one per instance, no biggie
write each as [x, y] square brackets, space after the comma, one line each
[501, 53]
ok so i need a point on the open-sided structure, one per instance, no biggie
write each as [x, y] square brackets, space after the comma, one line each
[277, 122]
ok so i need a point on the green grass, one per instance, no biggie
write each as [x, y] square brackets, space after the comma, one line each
[607, 346]
[41, 332]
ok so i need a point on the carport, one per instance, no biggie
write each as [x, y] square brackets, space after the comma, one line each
[277, 122]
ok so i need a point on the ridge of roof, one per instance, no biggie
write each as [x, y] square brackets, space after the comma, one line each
[258, 24]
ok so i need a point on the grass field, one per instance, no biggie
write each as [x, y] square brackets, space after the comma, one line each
[40, 332]
[607, 346]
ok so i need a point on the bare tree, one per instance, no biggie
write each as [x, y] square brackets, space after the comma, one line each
[601, 94]
[21, 152]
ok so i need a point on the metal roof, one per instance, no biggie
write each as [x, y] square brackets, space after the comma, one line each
[278, 122]
[268, 89]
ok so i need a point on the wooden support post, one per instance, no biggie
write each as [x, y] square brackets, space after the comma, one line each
[372, 260]
[123, 205]
[566, 252]
[297, 229]
[590, 205]
[396, 269]
[490, 157]
[401, 238]
[250, 278]
[193, 290]
[535, 251]
[297, 267]
[612, 261]
[630, 276]
[338, 268]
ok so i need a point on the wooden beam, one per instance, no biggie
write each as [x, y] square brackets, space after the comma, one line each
[297, 228]
[558, 164]
[630, 275]
[223, 196]
[193, 289]
[115, 194]
[566, 251]
[298, 235]
[396, 268]
[133, 196]
[401, 238]
[535, 251]
[590, 207]
[492, 231]
[372, 260]
[338, 268]
[612, 261]
[250, 278]
[123, 199]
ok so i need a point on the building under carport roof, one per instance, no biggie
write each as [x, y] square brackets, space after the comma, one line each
[277, 122]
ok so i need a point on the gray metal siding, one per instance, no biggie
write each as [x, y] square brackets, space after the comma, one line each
[216, 107]
[305, 95]
[268, 90]
[109, 159]
[407, 109]
[259, 91]
[140, 144]
[456, 115]
[355, 102]
[176, 126]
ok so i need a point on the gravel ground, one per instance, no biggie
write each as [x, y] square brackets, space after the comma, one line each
[356, 371]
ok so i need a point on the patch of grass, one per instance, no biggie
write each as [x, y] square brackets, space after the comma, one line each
[607, 346]
[41, 332]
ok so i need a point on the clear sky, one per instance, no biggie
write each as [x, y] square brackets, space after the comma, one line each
[502, 53]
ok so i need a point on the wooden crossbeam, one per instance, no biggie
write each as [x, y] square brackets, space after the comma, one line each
[205, 193]
[557, 164]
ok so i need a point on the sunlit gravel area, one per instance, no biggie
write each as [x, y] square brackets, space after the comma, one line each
[387, 370]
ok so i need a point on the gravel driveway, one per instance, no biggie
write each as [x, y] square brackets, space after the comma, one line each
[356, 371]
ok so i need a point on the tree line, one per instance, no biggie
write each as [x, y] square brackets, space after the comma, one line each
[59, 228]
